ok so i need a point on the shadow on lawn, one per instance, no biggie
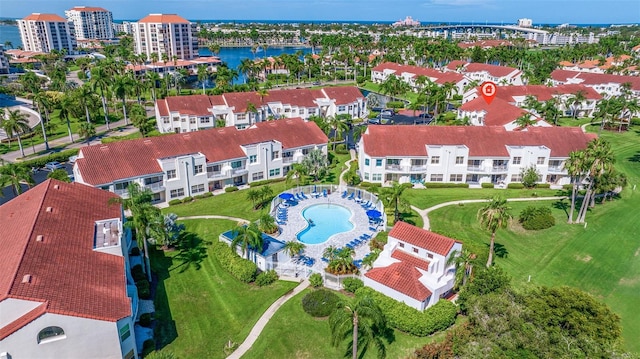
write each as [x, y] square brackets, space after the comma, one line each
[635, 157]
[165, 330]
[192, 250]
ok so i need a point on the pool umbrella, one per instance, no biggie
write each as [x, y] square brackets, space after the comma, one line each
[285, 196]
[374, 213]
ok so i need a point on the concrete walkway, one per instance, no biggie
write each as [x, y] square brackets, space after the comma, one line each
[348, 163]
[264, 319]
[212, 216]
[424, 213]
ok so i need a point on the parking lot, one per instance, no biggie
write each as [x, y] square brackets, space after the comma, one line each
[40, 175]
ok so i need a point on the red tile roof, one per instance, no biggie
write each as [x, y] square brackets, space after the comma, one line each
[498, 113]
[438, 76]
[493, 70]
[544, 93]
[110, 162]
[588, 78]
[456, 64]
[343, 95]
[164, 19]
[45, 17]
[27, 318]
[196, 105]
[89, 8]
[482, 141]
[422, 238]
[64, 269]
[402, 277]
[485, 43]
[411, 259]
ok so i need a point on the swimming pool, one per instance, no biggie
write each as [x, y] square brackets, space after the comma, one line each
[327, 219]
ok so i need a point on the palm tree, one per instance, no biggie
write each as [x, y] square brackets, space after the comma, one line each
[267, 224]
[153, 78]
[253, 195]
[140, 121]
[14, 175]
[16, 124]
[525, 120]
[392, 196]
[85, 95]
[298, 171]
[316, 164]
[247, 237]
[575, 168]
[342, 262]
[121, 86]
[599, 160]
[493, 216]
[86, 131]
[65, 105]
[463, 260]
[293, 248]
[100, 80]
[576, 102]
[363, 322]
[203, 76]
[41, 100]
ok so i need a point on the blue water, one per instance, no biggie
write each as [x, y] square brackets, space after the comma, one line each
[328, 219]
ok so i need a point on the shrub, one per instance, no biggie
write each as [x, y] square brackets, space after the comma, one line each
[445, 185]
[402, 317]
[315, 280]
[230, 189]
[145, 320]
[536, 218]
[530, 176]
[352, 284]
[144, 290]
[61, 156]
[266, 278]
[395, 104]
[320, 303]
[187, 199]
[244, 270]
[148, 346]
[567, 187]
[543, 185]
[487, 185]
[204, 195]
[173, 202]
[136, 272]
[135, 251]
[263, 182]
[515, 185]
[352, 178]
[341, 149]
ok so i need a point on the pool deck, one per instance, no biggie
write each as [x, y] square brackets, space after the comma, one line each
[296, 223]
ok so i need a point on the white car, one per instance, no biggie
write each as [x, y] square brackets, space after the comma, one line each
[72, 159]
[52, 166]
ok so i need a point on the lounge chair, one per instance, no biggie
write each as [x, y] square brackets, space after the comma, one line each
[373, 229]
[324, 192]
[351, 195]
[344, 194]
[303, 195]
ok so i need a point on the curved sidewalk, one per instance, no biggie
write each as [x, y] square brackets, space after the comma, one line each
[424, 213]
[264, 319]
[213, 216]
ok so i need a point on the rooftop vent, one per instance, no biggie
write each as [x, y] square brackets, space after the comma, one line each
[147, 142]
[26, 278]
[56, 187]
[104, 148]
[40, 238]
[49, 209]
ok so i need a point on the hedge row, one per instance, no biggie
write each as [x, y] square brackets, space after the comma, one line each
[487, 185]
[244, 270]
[369, 184]
[263, 182]
[515, 185]
[320, 303]
[61, 156]
[266, 278]
[445, 185]
[351, 285]
[230, 189]
[402, 317]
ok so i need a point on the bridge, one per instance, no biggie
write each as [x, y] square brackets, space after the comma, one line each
[484, 28]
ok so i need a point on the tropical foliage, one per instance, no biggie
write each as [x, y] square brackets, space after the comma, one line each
[493, 216]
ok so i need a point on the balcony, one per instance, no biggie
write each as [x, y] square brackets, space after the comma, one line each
[217, 174]
[239, 171]
[122, 193]
[556, 169]
[475, 169]
[498, 169]
[287, 159]
[155, 187]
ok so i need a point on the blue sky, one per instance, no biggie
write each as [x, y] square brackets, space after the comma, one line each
[507, 11]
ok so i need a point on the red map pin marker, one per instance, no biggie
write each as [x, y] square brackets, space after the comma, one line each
[488, 91]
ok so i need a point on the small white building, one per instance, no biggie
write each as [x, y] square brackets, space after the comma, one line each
[606, 84]
[473, 71]
[266, 258]
[410, 74]
[413, 268]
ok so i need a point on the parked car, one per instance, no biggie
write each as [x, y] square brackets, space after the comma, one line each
[374, 121]
[52, 166]
[72, 159]
[316, 83]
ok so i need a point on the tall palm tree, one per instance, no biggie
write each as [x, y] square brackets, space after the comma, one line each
[12, 174]
[85, 95]
[100, 81]
[203, 76]
[121, 86]
[86, 131]
[392, 196]
[363, 322]
[248, 237]
[576, 102]
[599, 160]
[41, 100]
[575, 168]
[525, 120]
[493, 216]
[153, 77]
[16, 124]
[464, 260]
[65, 104]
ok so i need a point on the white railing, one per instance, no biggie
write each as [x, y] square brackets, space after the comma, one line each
[157, 186]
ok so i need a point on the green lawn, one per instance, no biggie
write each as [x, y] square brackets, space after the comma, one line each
[425, 198]
[601, 258]
[199, 305]
[292, 333]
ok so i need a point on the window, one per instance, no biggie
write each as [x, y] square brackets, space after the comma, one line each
[305, 151]
[236, 164]
[415, 250]
[166, 120]
[171, 174]
[179, 192]
[197, 169]
[197, 188]
[274, 172]
[376, 177]
[429, 255]
[541, 160]
[50, 333]
[192, 121]
[125, 332]
[378, 163]
[204, 120]
[459, 160]
[401, 245]
[121, 186]
[366, 161]
[366, 176]
[455, 178]
[342, 108]
[517, 160]
[257, 176]
[437, 177]
[435, 160]
[516, 178]
[253, 158]
[275, 155]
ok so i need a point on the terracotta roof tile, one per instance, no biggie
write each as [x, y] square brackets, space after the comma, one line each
[27, 318]
[106, 163]
[343, 95]
[402, 277]
[498, 113]
[164, 19]
[45, 17]
[493, 70]
[544, 93]
[64, 268]
[482, 141]
[89, 8]
[422, 238]
[588, 78]
[411, 259]
[438, 77]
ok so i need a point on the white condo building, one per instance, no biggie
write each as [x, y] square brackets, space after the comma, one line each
[413, 268]
[410, 75]
[466, 154]
[46, 32]
[168, 35]
[243, 109]
[66, 289]
[4, 61]
[91, 22]
[187, 164]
